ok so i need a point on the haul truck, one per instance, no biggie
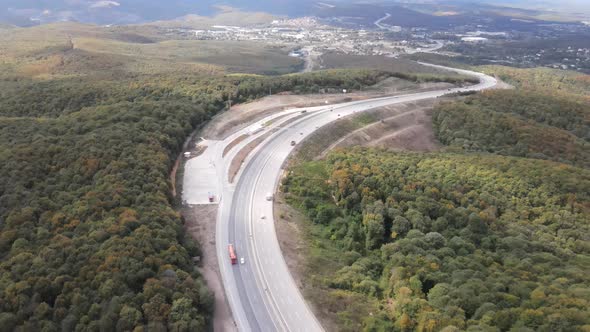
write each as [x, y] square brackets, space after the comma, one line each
[232, 254]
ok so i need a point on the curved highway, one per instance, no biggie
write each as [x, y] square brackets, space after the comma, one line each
[261, 292]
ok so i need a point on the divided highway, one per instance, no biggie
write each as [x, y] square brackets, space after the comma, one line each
[261, 292]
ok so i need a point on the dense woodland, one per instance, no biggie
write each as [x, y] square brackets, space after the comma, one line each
[490, 234]
[518, 123]
[423, 242]
[25, 97]
[89, 239]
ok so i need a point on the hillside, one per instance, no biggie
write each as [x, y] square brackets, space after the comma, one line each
[544, 80]
[227, 16]
[518, 123]
[121, 12]
[430, 241]
[89, 237]
[76, 49]
[489, 234]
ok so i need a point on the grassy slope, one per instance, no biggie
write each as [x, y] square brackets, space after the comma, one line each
[143, 47]
[235, 56]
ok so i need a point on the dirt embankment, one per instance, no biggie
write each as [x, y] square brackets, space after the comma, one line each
[200, 222]
[242, 115]
[406, 127]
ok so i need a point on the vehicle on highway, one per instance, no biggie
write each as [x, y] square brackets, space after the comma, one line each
[242, 260]
[232, 254]
[293, 143]
[304, 111]
[246, 217]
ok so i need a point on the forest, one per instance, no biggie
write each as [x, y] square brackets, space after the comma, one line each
[91, 121]
[552, 82]
[88, 236]
[429, 242]
[491, 233]
[517, 123]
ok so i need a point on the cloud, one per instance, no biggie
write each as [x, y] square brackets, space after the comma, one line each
[105, 4]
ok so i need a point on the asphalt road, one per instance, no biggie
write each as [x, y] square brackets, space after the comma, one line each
[261, 292]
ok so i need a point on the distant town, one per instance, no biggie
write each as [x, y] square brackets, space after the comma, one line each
[311, 36]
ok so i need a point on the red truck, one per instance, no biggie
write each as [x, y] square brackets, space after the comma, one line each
[232, 254]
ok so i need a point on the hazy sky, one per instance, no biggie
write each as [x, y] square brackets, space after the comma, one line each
[23, 12]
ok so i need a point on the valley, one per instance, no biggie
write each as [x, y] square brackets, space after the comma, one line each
[293, 166]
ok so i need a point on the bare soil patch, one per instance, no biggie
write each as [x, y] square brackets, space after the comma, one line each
[200, 224]
[173, 176]
[409, 129]
[242, 115]
[418, 137]
[290, 237]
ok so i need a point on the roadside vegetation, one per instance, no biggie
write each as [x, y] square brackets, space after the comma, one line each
[407, 69]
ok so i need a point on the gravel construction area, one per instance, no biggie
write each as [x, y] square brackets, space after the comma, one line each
[196, 190]
[200, 223]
